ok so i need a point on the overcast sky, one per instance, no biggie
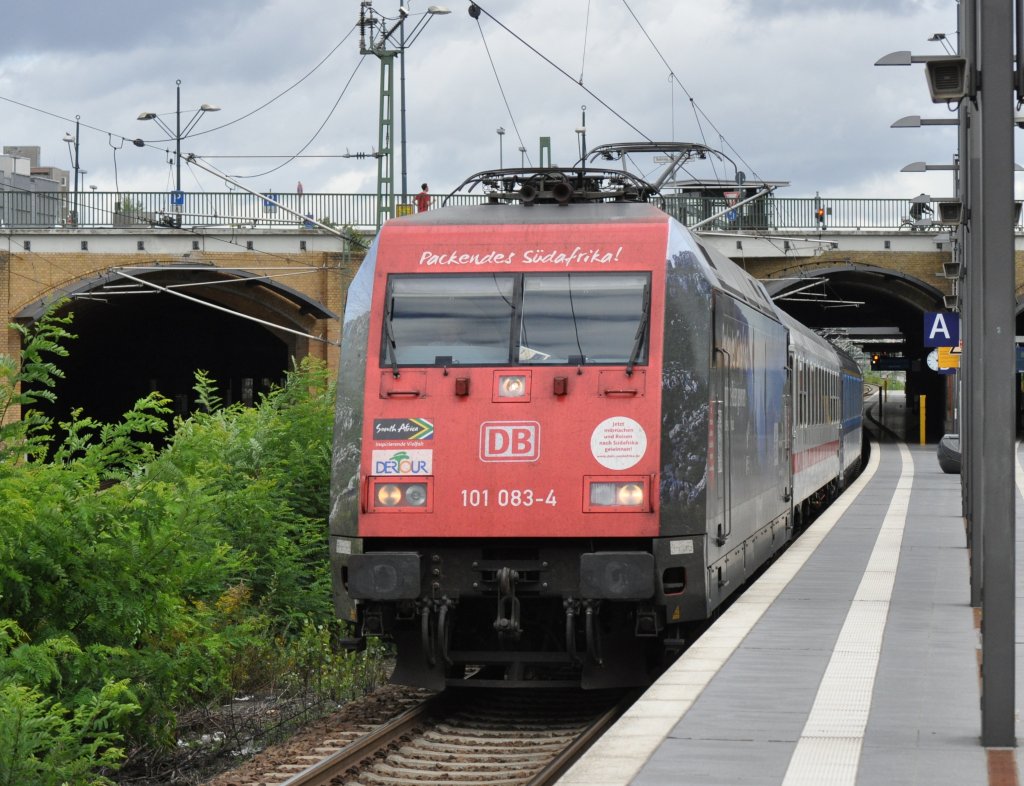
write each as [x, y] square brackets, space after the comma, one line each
[787, 88]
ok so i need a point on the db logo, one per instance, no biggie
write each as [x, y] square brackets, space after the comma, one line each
[517, 440]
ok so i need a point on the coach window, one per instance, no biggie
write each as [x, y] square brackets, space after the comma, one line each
[817, 397]
[801, 393]
[440, 320]
[814, 396]
[835, 397]
[584, 318]
[810, 395]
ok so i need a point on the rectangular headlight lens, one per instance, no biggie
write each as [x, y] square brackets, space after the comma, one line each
[407, 496]
[513, 386]
[617, 494]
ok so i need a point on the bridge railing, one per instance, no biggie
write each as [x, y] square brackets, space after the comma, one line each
[21, 209]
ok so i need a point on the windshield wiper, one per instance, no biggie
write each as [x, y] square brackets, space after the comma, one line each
[641, 330]
[389, 340]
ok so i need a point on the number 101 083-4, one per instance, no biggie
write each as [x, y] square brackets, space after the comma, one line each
[507, 498]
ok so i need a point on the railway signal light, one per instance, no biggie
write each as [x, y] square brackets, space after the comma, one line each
[874, 360]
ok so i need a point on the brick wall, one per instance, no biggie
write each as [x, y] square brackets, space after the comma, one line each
[28, 277]
[926, 267]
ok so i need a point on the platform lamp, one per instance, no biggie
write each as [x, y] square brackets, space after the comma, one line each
[404, 42]
[942, 39]
[916, 121]
[949, 78]
[921, 166]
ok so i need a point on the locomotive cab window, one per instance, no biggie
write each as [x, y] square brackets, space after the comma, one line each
[448, 320]
[516, 319]
[590, 318]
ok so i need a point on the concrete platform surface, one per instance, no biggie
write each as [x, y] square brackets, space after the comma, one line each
[853, 660]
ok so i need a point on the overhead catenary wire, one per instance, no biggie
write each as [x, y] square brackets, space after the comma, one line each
[283, 92]
[315, 133]
[586, 33]
[264, 322]
[501, 89]
[558, 68]
[476, 10]
[697, 110]
[227, 179]
[156, 142]
[267, 103]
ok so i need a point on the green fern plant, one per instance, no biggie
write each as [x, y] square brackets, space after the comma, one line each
[42, 742]
[30, 381]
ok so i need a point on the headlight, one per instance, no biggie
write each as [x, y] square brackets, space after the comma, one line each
[617, 494]
[512, 386]
[631, 494]
[391, 495]
[416, 495]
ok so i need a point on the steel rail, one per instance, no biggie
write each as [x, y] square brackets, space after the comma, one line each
[363, 748]
[558, 766]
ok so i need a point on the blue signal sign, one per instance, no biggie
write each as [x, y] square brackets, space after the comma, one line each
[886, 363]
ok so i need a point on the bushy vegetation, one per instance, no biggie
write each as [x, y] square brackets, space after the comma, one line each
[137, 583]
[890, 380]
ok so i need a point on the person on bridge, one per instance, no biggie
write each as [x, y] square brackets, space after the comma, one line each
[423, 199]
[919, 207]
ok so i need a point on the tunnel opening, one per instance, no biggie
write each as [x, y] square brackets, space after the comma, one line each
[876, 310]
[129, 345]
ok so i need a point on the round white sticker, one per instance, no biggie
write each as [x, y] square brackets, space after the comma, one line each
[618, 443]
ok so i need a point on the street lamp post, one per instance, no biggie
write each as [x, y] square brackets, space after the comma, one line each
[501, 147]
[403, 44]
[73, 152]
[379, 45]
[522, 157]
[581, 132]
[178, 134]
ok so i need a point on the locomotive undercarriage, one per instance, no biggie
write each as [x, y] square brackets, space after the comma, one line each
[485, 613]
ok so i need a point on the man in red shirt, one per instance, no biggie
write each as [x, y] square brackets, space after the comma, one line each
[423, 200]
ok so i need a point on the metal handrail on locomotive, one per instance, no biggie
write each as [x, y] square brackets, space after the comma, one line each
[566, 432]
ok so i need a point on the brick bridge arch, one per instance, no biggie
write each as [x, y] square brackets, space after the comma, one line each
[147, 321]
[839, 293]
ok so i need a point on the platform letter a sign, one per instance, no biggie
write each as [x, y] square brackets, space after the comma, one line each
[941, 329]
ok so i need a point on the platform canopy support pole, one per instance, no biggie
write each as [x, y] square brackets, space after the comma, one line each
[995, 500]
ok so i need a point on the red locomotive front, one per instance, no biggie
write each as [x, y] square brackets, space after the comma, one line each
[512, 385]
[500, 398]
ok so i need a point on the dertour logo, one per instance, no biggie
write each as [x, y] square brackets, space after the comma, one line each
[403, 462]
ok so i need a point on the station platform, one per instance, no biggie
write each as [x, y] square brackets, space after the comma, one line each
[853, 660]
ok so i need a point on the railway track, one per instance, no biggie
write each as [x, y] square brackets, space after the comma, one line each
[471, 738]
